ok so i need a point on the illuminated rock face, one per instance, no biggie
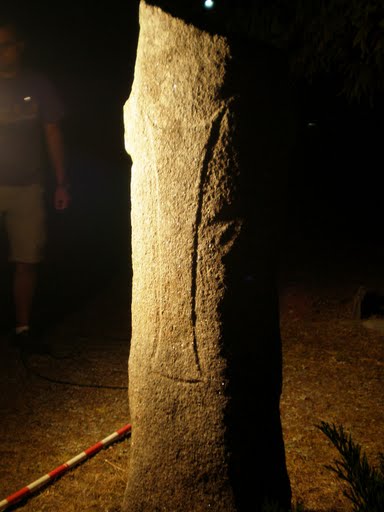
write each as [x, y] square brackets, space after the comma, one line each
[191, 353]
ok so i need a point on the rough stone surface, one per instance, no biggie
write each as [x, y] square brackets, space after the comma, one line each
[189, 236]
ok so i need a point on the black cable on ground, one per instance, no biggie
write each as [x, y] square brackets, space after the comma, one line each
[24, 360]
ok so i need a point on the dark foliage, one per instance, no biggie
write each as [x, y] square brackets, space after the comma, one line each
[365, 483]
[341, 39]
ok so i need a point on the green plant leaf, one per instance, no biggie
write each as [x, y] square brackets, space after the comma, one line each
[365, 483]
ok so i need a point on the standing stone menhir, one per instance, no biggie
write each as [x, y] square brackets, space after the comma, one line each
[205, 362]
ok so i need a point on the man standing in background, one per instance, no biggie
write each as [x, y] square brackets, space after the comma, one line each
[30, 115]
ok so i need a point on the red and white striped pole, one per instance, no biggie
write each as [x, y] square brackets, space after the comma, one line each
[29, 489]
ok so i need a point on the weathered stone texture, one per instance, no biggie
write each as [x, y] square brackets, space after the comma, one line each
[186, 219]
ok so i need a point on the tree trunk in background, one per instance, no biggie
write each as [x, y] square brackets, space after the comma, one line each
[207, 126]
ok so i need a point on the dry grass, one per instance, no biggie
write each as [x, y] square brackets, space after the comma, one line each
[333, 371]
[45, 424]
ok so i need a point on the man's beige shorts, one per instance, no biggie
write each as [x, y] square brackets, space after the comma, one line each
[22, 210]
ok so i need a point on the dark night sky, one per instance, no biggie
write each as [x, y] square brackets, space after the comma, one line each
[88, 48]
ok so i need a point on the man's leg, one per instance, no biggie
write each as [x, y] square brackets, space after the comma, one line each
[24, 284]
[26, 232]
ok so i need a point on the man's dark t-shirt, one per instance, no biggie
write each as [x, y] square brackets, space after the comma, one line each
[27, 102]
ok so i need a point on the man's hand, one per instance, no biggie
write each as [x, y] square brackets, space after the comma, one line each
[62, 197]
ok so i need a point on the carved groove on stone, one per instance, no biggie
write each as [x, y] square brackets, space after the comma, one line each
[150, 125]
[210, 145]
[213, 128]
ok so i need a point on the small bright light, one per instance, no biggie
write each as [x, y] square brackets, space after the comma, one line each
[27, 98]
[209, 4]
[312, 124]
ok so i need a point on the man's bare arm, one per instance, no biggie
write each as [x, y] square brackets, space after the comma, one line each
[55, 145]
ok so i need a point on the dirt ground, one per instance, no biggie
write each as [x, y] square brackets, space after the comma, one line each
[333, 371]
